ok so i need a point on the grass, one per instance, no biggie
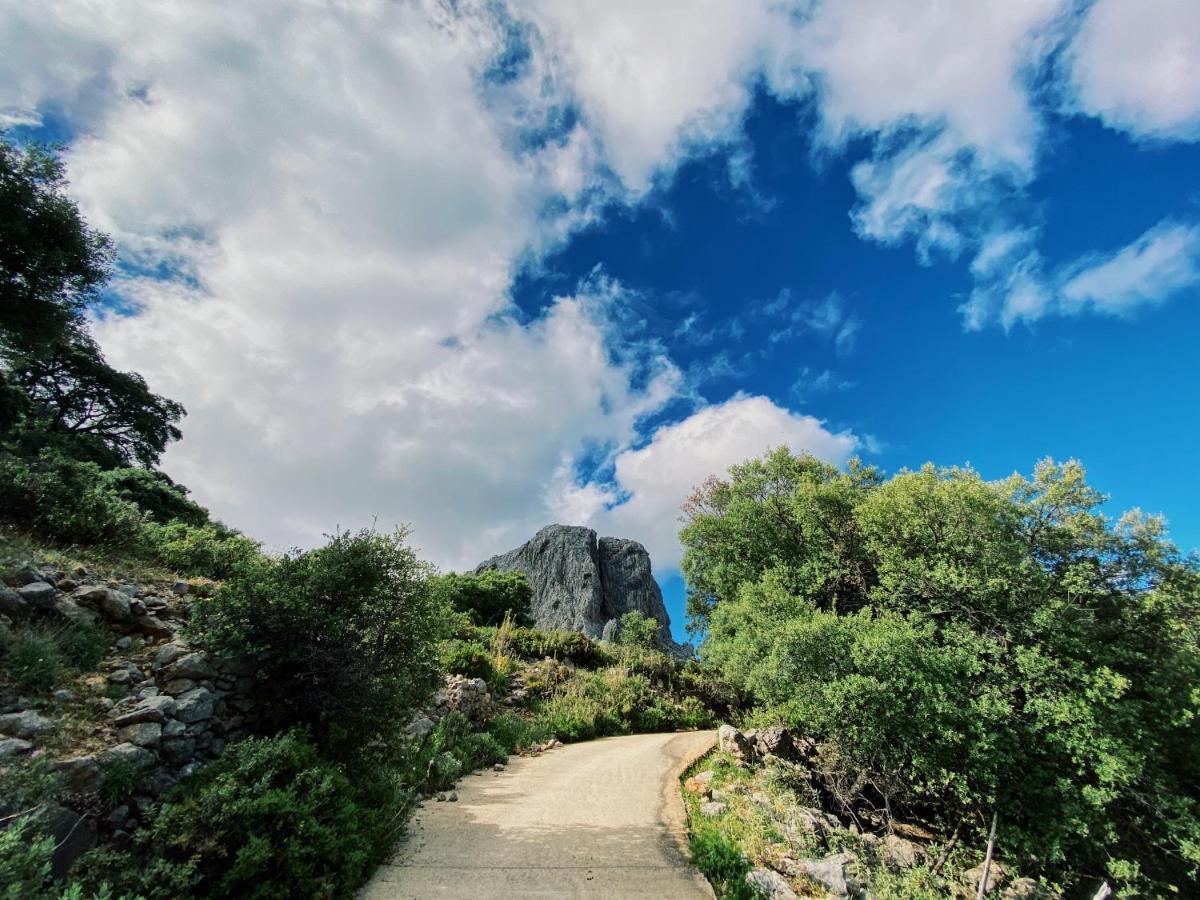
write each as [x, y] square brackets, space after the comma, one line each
[43, 654]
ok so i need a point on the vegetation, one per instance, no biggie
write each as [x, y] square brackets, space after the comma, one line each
[489, 597]
[41, 653]
[342, 638]
[963, 647]
[638, 630]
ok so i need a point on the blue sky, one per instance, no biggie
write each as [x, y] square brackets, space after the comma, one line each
[493, 265]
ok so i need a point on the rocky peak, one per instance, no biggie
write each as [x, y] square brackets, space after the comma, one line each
[584, 583]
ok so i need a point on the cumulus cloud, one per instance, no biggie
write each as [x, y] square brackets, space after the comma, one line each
[656, 478]
[1136, 65]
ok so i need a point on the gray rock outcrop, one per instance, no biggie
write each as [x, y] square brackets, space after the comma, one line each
[584, 583]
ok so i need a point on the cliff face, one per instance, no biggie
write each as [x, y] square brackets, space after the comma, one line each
[582, 583]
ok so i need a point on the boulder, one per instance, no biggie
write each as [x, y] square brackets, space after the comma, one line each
[584, 583]
[25, 724]
[712, 808]
[73, 612]
[830, 873]
[151, 709]
[193, 665]
[898, 853]
[732, 741]
[770, 885]
[154, 627]
[168, 655]
[138, 757]
[74, 835]
[10, 747]
[38, 594]
[144, 734]
[81, 773]
[998, 876]
[195, 705]
[11, 603]
[112, 604]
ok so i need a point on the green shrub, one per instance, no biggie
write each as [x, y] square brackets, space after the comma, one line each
[572, 646]
[66, 500]
[212, 549]
[638, 630]
[25, 854]
[82, 644]
[722, 864]
[513, 733]
[271, 819]
[155, 494]
[468, 658]
[487, 597]
[344, 638]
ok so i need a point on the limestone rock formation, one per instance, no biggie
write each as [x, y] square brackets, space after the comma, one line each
[584, 583]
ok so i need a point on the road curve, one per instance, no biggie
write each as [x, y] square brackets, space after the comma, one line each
[599, 819]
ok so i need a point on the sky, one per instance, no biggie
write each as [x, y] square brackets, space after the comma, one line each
[483, 265]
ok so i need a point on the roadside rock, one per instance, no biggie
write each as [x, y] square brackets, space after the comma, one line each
[830, 873]
[730, 740]
[712, 808]
[38, 594]
[771, 885]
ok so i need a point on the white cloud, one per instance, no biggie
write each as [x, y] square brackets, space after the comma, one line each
[1014, 284]
[1136, 65]
[1163, 261]
[658, 477]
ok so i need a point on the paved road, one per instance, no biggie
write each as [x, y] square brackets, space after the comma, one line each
[599, 819]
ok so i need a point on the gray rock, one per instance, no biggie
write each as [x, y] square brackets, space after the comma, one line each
[178, 686]
[730, 740]
[151, 709]
[10, 747]
[63, 695]
[154, 627]
[129, 590]
[144, 734]
[712, 808]
[830, 873]
[771, 885]
[195, 706]
[73, 612]
[581, 583]
[25, 724]
[112, 604]
[178, 749]
[11, 603]
[419, 726]
[180, 588]
[38, 594]
[168, 655]
[901, 854]
[123, 643]
[24, 575]
[174, 728]
[611, 630]
[194, 665]
[998, 876]
[74, 835]
[139, 757]
[81, 773]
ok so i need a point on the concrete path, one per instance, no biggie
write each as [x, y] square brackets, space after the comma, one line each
[599, 819]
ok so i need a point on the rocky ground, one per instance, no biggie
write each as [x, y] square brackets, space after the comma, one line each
[756, 791]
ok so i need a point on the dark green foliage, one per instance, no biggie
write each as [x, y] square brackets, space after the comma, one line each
[51, 264]
[614, 701]
[963, 646]
[120, 776]
[66, 500]
[722, 864]
[468, 658]
[638, 630]
[154, 494]
[488, 597]
[572, 646]
[25, 854]
[271, 819]
[343, 638]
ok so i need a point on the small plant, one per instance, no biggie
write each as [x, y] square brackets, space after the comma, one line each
[722, 864]
[35, 661]
[119, 779]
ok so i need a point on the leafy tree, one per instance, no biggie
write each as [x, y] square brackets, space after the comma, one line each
[488, 596]
[52, 264]
[77, 402]
[343, 638]
[638, 630]
[56, 389]
[963, 646]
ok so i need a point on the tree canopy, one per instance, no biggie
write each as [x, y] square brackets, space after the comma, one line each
[964, 646]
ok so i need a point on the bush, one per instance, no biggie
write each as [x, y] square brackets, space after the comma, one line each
[344, 638]
[488, 597]
[212, 549]
[469, 658]
[573, 646]
[638, 630]
[66, 500]
[25, 855]
[155, 494]
[271, 819]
